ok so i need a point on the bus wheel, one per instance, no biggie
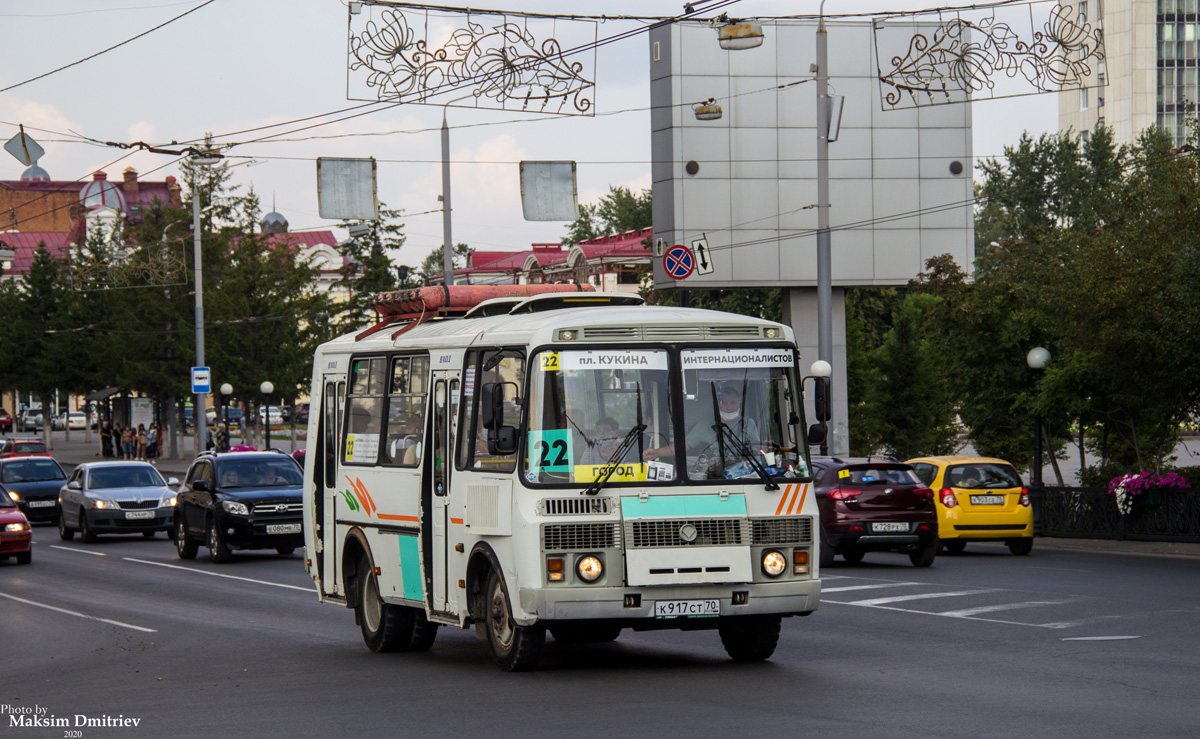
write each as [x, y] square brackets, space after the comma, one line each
[515, 648]
[584, 633]
[749, 638]
[387, 627]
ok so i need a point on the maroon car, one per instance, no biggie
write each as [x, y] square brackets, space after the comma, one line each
[871, 506]
[6, 422]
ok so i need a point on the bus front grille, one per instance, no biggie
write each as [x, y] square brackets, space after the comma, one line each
[575, 506]
[561, 537]
[781, 530]
[686, 532]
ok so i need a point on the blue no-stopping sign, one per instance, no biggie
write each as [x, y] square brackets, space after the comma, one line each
[679, 262]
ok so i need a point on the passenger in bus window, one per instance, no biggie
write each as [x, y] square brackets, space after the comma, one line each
[605, 441]
[702, 438]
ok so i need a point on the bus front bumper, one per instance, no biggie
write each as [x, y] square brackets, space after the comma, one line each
[631, 604]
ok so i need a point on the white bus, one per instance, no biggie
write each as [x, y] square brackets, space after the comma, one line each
[570, 462]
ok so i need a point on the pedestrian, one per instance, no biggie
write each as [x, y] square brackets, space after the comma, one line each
[127, 441]
[152, 443]
[143, 440]
[221, 438]
[106, 440]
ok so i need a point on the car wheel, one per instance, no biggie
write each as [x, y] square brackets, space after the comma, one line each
[24, 558]
[955, 546]
[826, 551]
[515, 648]
[1021, 547]
[924, 556]
[217, 548]
[584, 633]
[85, 532]
[65, 532]
[749, 638]
[853, 556]
[285, 550]
[183, 545]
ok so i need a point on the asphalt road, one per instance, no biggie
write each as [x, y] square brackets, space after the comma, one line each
[1060, 643]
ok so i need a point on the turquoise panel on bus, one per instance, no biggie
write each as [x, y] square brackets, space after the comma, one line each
[410, 568]
[677, 506]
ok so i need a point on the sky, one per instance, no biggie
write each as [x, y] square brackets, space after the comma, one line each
[236, 65]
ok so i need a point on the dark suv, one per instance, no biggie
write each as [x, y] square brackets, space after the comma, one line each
[239, 500]
[874, 506]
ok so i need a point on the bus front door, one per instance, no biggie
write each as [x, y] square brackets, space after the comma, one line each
[437, 498]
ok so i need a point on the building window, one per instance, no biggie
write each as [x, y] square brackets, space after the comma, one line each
[1083, 11]
[1084, 136]
[1083, 98]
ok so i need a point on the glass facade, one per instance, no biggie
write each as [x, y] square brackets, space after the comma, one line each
[1177, 35]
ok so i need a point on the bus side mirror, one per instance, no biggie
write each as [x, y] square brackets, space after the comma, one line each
[491, 404]
[816, 433]
[503, 440]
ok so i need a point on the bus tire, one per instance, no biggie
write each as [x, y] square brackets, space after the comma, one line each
[383, 624]
[749, 638]
[584, 633]
[515, 648]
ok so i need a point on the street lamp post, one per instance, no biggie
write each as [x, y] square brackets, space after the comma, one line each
[201, 421]
[226, 391]
[267, 388]
[1037, 358]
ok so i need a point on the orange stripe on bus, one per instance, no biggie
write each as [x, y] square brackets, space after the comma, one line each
[787, 489]
[394, 517]
[792, 504]
[802, 497]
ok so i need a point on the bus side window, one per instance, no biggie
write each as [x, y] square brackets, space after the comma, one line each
[364, 421]
[466, 430]
[406, 411]
[507, 373]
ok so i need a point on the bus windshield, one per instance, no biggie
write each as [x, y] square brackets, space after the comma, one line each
[584, 405]
[740, 416]
[739, 409]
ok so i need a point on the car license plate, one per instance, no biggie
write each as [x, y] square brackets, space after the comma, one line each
[889, 527]
[677, 608]
[139, 514]
[41, 503]
[987, 500]
[283, 528]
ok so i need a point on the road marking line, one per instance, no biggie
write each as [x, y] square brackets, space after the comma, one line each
[1098, 638]
[1059, 569]
[78, 614]
[217, 574]
[865, 587]
[81, 551]
[918, 596]
[1004, 607]
[1059, 625]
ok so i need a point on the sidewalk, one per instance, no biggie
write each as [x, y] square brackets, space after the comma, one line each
[78, 450]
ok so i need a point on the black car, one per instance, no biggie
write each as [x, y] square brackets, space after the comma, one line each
[33, 482]
[239, 500]
[870, 506]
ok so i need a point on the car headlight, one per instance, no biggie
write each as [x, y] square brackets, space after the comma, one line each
[590, 568]
[15, 496]
[236, 508]
[17, 528]
[102, 503]
[773, 563]
[168, 501]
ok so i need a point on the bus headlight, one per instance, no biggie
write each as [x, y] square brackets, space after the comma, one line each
[589, 568]
[773, 563]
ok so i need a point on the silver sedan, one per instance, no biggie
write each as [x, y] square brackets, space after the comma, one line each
[115, 498]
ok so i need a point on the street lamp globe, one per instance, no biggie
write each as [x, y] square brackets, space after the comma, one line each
[821, 368]
[267, 388]
[226, 389]
[1037, 358]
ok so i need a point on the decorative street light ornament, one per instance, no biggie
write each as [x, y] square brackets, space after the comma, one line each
[738, 36]
[1037, 358]
[499, 61]
[981, 57]
[708, 110]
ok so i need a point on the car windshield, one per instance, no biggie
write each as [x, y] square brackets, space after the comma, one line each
[585, 404]
[5, 501]
[31, 470]
[877, 475]
[124, 477]
[981, 475]
[259, 473]
[752, 392]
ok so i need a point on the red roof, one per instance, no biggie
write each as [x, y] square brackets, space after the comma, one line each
[25, 244]
[630, 243]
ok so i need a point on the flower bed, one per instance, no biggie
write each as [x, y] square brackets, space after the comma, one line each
[1127, 488]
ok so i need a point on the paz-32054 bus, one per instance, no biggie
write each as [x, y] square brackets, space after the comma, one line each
[528, 459]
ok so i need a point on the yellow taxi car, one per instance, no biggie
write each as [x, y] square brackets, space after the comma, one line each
[978, 499]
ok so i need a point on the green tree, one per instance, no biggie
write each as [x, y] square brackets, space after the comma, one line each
[432, 266]
[369, 269]
[617, 211]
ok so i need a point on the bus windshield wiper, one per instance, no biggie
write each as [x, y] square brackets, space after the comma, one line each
[740, 447]
[635, 434]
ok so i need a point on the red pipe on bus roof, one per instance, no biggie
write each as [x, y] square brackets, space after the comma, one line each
[461, 297]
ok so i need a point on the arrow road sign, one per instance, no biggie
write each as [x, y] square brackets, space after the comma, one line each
[679, 262]
[704, 265]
